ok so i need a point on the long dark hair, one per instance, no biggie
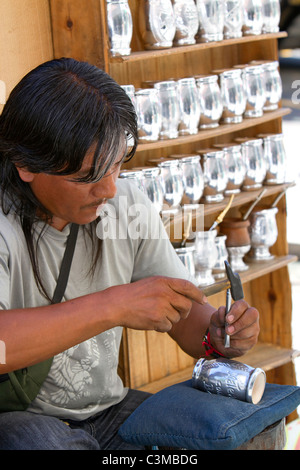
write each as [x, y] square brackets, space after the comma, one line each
[51, 119]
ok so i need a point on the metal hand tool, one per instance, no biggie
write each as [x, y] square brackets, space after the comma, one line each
[235, 291]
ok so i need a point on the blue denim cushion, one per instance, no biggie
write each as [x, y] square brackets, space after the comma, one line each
[181, 416]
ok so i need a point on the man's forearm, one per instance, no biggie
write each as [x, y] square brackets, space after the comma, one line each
[189, 333]
[32, 335]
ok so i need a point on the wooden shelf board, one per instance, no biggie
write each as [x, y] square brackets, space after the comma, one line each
[173, 51]
[245, 197]
[256, 269]
[217, 131]
[268, 356]
[264, 355]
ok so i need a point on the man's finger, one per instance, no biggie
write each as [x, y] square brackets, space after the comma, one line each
[188, 289]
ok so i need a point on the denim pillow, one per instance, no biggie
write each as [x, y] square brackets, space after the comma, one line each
[181, 416]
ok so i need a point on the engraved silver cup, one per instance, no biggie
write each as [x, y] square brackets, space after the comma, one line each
[263, 233]
[233, 18]
[211, 20]
[157, 23]
[229, 378]
[187, 22]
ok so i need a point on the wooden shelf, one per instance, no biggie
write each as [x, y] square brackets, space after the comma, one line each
[256, 269]
[173, 51]
[150, 360]
[264, 355]
[244, 197]
[240, 199]
[268, 356]
[223, 129]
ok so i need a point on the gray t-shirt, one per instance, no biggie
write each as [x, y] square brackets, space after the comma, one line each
[83, 380]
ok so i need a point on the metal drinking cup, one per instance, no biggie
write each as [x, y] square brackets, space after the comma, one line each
[120, 27]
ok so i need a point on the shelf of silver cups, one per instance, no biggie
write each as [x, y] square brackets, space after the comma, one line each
[153, 54]
[255, 270]
[221, 130]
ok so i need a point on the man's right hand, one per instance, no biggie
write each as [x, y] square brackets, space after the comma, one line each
[154, 303]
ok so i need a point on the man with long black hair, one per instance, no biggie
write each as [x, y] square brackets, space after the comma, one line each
[65, 131]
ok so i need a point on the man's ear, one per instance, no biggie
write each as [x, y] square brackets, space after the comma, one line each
[25, 175]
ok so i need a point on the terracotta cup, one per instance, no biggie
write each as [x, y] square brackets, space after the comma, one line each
[236, 231]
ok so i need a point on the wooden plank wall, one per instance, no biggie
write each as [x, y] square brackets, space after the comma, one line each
[25, 40]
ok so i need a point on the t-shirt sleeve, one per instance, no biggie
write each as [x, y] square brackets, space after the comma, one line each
[4, 275]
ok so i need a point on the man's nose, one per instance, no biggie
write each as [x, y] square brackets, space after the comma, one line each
[106, 188]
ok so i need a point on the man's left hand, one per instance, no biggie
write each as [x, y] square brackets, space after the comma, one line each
[242, 326]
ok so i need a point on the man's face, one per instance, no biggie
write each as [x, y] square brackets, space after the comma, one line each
[71, 201]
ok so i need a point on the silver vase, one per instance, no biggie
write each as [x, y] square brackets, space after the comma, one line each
[211, 20]
[172, 182]
[189, 106]
[275, 157]
[235, 167]
[254, 90]
[130, 91]
[205, 256]
[148, 114]
[135, 177]
[272, 85]
[219, 270]
[193, 178]
[233, 95]
[157, 23]
[120, 28]
[215, 175]
[186, 20]
[255, 163]
[253, 17]
[236, 256]
[169, 106]
[186, 255]
[153, 186]
[211, 106]
[271, 16]
[233, 18]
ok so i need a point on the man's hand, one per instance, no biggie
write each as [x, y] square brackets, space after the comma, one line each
[242, 326]
[155, 303]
